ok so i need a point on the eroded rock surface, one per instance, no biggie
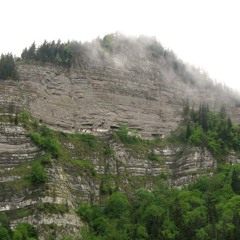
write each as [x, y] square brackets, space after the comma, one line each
[17, 194]
[96, 97]
[100, 98]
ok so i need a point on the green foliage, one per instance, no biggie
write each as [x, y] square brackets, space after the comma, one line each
[24, 118]
[117, 205]
[50, 52]
[153, 157]
[38, 174]
[107, 186]
[88, 139]
[83, 163]
[197, 136]
[235, 183]
[7, 67]
[126, 137]
[45, 159]
[107, 151]
[24, 231]
[53, 208]
[4, 235]
[207, 209]
[51, 145]
[41, 135]
[4, 221]
[209, 129]
[71, 238]
[155, 50]
[85, 166]
[47, 143]
[23, 213]
[107, 41]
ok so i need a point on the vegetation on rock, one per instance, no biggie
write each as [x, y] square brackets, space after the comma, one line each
[49, 52]
[209, 129]
[105, 49]
[207, 209]
[42, 136]
[23, 231]
[7, 67]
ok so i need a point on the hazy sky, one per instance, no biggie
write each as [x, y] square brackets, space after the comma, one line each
[205, 33]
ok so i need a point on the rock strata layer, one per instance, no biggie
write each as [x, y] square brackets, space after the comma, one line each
[99, 98]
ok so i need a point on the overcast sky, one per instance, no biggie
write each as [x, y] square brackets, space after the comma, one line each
[205, 33]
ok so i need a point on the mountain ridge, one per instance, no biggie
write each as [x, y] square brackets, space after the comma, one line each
[112, 82]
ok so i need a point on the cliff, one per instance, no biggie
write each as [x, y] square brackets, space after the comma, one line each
[132, 81]
[102, 90]
[88, 171]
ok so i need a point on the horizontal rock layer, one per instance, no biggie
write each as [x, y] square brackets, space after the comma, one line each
[99, 98]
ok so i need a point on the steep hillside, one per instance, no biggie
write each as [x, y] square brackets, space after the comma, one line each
[86, 170]
[116, 80]
[75, 148]
[45, 175]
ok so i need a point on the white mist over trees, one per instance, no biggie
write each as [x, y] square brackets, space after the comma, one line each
[116, 50]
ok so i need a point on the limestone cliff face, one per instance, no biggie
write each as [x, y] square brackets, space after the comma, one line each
[51, 207]
[99, 98]
[96, 96]
[135, 82]
[15, 149]
[21, 200]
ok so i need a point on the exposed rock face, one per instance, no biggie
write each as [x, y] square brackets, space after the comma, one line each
[65, 223]
[17, 194]
[133, 81]
[67, 186]
[99, 98]
[134, 171]
[190, 165]
[15, 149]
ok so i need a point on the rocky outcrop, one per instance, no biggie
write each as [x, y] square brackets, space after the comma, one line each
[17, 152]
[98, 98]
[51, 207]
[189, 164]
[54, 225]
[15, 149]
[129, 170]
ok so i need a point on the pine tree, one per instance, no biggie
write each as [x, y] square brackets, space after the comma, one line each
[235, 182]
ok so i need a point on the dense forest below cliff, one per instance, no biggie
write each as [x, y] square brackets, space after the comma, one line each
[206, 209]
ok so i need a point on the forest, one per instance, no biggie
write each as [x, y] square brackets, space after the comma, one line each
[210, 129]
[7, 67]
[23, 231]
[206, 209]
[49, 52]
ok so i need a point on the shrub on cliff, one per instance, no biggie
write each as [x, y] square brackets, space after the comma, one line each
[47, 143]
[37, 175]
[4, 235]
[24, 231]
[125, 136]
